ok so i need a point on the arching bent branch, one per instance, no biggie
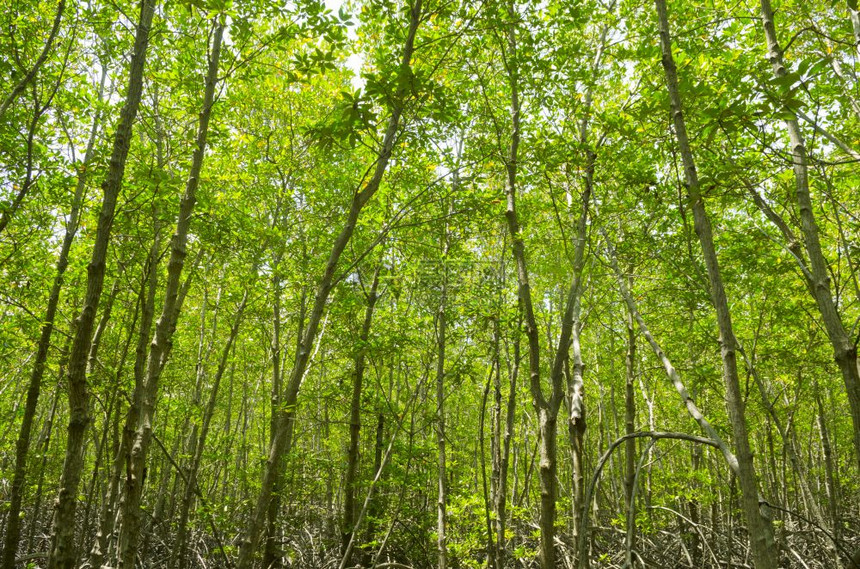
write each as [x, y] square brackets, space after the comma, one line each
[589, 492]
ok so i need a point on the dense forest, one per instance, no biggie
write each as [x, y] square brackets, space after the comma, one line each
[429, 283]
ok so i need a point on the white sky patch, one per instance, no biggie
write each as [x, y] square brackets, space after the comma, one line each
[355, 61]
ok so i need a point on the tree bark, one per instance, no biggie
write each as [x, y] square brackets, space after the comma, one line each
[63, 553]
[375, 503]
[576, 392]
[547, 408]
[829, 469]
[844, 349]
[576, 385]
[502, 434]
[761, 533]
[270, 550]
[22, 448]
[179, 559]
[441, 465]
[282, 441]
[45, 444]
[630, 422]
[351, 479]
[93, 357]
[146, 302]
[129, 532]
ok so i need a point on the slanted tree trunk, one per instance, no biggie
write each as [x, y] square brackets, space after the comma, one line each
[671, 373]
[129, 532]
[282, 441]
[844, 348]
[63, 553]
[764, 551]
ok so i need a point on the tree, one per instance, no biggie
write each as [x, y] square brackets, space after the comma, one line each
[351, 268]
[63, 554]
[763, 548]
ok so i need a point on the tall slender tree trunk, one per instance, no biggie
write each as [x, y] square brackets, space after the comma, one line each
[93, 357]
[790, 448]
[146, 303]
[103, 450]
[108, 501]
[547, 408]
[270, 551]
[129, 531]
[829, 470]
[374, 507]
[179, 559]
[844, 348]
[44, 446]
[503, 432]
[576, 385]
[692, 409]
[63, 553]
[350, 483]
[441, 466]
[496, 445]
[630, 423]
[22, 447]
[764, 551]
[282, 441]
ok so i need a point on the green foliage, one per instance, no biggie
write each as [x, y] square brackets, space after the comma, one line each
[306, 91]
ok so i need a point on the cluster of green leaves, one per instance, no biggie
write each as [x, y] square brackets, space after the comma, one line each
[295, 131]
